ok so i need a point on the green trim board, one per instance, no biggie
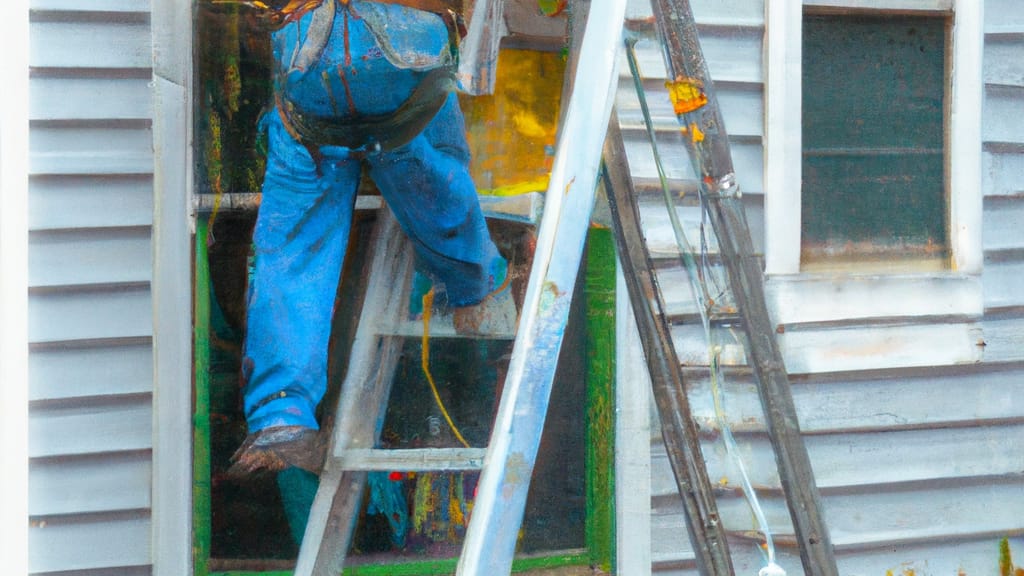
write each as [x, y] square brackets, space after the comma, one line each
[599, 293]
[435, 567]
[201, 485]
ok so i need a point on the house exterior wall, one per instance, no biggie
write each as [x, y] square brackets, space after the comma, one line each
[917, 453]
[919, 466]
[90, 308]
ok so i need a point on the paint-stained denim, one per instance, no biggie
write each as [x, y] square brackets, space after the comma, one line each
[304, 219]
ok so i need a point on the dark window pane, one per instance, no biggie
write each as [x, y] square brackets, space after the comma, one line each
[873, 136]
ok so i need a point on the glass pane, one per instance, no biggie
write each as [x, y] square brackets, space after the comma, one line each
[874, 91]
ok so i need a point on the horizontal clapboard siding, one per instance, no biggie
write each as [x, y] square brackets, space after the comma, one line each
[90, 202]
[90, 98]
[747, 560]
[90, 315]
[909, 414]
[90, 484]
[86, 426]
[872, 403]
[93, 148]
[914, 525]
[91, 542]
[92, 256]
[89, 40]
[1003, 180]
[102, 369]
[90, 267]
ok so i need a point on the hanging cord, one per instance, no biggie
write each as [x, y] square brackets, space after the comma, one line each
[705, 303]
[428, 305]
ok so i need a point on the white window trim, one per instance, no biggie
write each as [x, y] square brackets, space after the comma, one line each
[172, 288]
[806, 297]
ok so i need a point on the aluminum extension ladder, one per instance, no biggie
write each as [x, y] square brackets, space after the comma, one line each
[707, 145]
[507, 463]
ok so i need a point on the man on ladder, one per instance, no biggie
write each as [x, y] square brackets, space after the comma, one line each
[357, 82]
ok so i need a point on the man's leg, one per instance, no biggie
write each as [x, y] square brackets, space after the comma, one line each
[429, 188]
[300, 240]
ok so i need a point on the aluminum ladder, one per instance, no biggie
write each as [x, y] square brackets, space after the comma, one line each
[707, 145]
[507, 463]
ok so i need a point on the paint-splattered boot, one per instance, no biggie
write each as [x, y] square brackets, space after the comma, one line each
[495, 314]
[274, 449]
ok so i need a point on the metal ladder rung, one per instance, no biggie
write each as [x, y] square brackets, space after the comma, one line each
[412, 459]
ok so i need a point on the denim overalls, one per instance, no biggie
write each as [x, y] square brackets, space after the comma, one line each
[374, 58]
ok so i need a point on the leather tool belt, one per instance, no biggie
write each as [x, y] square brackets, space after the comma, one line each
[280, 12]
[375, 132]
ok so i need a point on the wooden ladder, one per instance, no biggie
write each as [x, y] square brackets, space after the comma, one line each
[707, 145]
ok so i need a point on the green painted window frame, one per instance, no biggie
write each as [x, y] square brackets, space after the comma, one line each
[599, 531]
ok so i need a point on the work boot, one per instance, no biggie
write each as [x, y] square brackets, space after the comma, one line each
[495, 314]
[274, 449]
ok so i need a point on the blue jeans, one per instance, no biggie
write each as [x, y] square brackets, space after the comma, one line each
[305, 217]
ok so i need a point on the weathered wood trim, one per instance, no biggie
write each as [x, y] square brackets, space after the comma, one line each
[632, 445]
[171, 534]
[965, 177]
[915, 5]
[803, 299]
[782, 137]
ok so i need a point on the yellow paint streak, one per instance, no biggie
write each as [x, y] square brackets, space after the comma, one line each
[511, 133]
[539, 184]
[423, 501]
[696, 133]
[528, 124]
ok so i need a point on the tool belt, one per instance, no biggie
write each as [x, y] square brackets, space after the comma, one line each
[280, 12]
[373, 132]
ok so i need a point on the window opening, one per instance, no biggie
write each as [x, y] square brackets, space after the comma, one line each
[875, 110]
[255, 525]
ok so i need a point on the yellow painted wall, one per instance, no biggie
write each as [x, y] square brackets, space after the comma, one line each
[512, 133]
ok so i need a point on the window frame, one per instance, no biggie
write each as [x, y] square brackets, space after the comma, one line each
[800, 296]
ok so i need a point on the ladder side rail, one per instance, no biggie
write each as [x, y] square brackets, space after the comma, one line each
[678, 429]
[713, 165]
[364, 392]
[490, 541]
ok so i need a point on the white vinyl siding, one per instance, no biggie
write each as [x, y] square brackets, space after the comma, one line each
[90, 267]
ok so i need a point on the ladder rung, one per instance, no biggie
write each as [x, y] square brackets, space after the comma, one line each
[441, 327]
[726, 318]
[412, 460]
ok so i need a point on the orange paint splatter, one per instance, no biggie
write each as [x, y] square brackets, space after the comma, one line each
[686, 94]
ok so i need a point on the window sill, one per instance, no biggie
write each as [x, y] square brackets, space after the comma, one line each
[818, 297]
[833, 323]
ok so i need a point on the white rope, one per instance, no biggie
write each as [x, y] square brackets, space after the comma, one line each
[698, 275]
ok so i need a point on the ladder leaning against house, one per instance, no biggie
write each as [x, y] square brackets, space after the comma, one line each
[507, 462]
[706, 141]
